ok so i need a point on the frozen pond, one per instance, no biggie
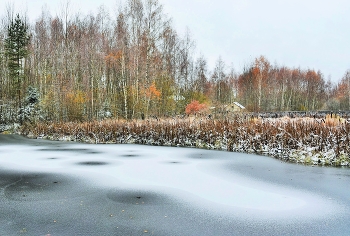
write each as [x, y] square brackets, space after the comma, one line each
[58, 188]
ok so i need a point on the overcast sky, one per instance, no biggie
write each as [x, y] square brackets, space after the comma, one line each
[311, 34]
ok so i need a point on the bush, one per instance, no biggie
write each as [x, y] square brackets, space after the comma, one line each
[195, 107]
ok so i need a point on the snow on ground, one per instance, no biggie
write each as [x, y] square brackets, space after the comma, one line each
[136, 166]
[200, 179]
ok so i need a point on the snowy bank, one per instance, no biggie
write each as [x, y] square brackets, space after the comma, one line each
[300, 140]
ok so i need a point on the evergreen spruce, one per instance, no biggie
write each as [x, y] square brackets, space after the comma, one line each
[30, 111]
[16, 50]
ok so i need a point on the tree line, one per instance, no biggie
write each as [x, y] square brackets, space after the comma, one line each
[133, 64]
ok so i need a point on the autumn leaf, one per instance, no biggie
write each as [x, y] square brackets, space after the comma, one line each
[195, 107]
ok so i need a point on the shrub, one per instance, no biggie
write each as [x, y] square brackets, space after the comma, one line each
[195, 107]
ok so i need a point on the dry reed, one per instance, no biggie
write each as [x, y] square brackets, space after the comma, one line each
[304, 140]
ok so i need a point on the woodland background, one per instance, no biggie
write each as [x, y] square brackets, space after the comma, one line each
[133, 64]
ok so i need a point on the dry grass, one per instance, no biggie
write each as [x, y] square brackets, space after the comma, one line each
[298, 140]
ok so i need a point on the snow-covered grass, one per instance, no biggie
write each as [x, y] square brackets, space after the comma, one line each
[9, 128]
[301, 140]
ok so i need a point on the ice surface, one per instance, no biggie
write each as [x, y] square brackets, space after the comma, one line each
[217, 183]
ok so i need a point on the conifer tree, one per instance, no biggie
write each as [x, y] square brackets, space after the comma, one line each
[16, 50]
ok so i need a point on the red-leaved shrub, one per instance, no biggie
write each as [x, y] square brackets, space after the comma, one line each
[195, 107]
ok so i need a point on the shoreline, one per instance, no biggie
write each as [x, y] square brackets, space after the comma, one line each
[303, 141]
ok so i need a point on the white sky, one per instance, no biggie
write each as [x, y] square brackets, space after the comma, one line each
[307, 33]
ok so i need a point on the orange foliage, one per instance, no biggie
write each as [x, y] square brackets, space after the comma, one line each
[342, 91]
[154, 91]
[113, 57]
[256, 71]
[261, 65]
[195, 107]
